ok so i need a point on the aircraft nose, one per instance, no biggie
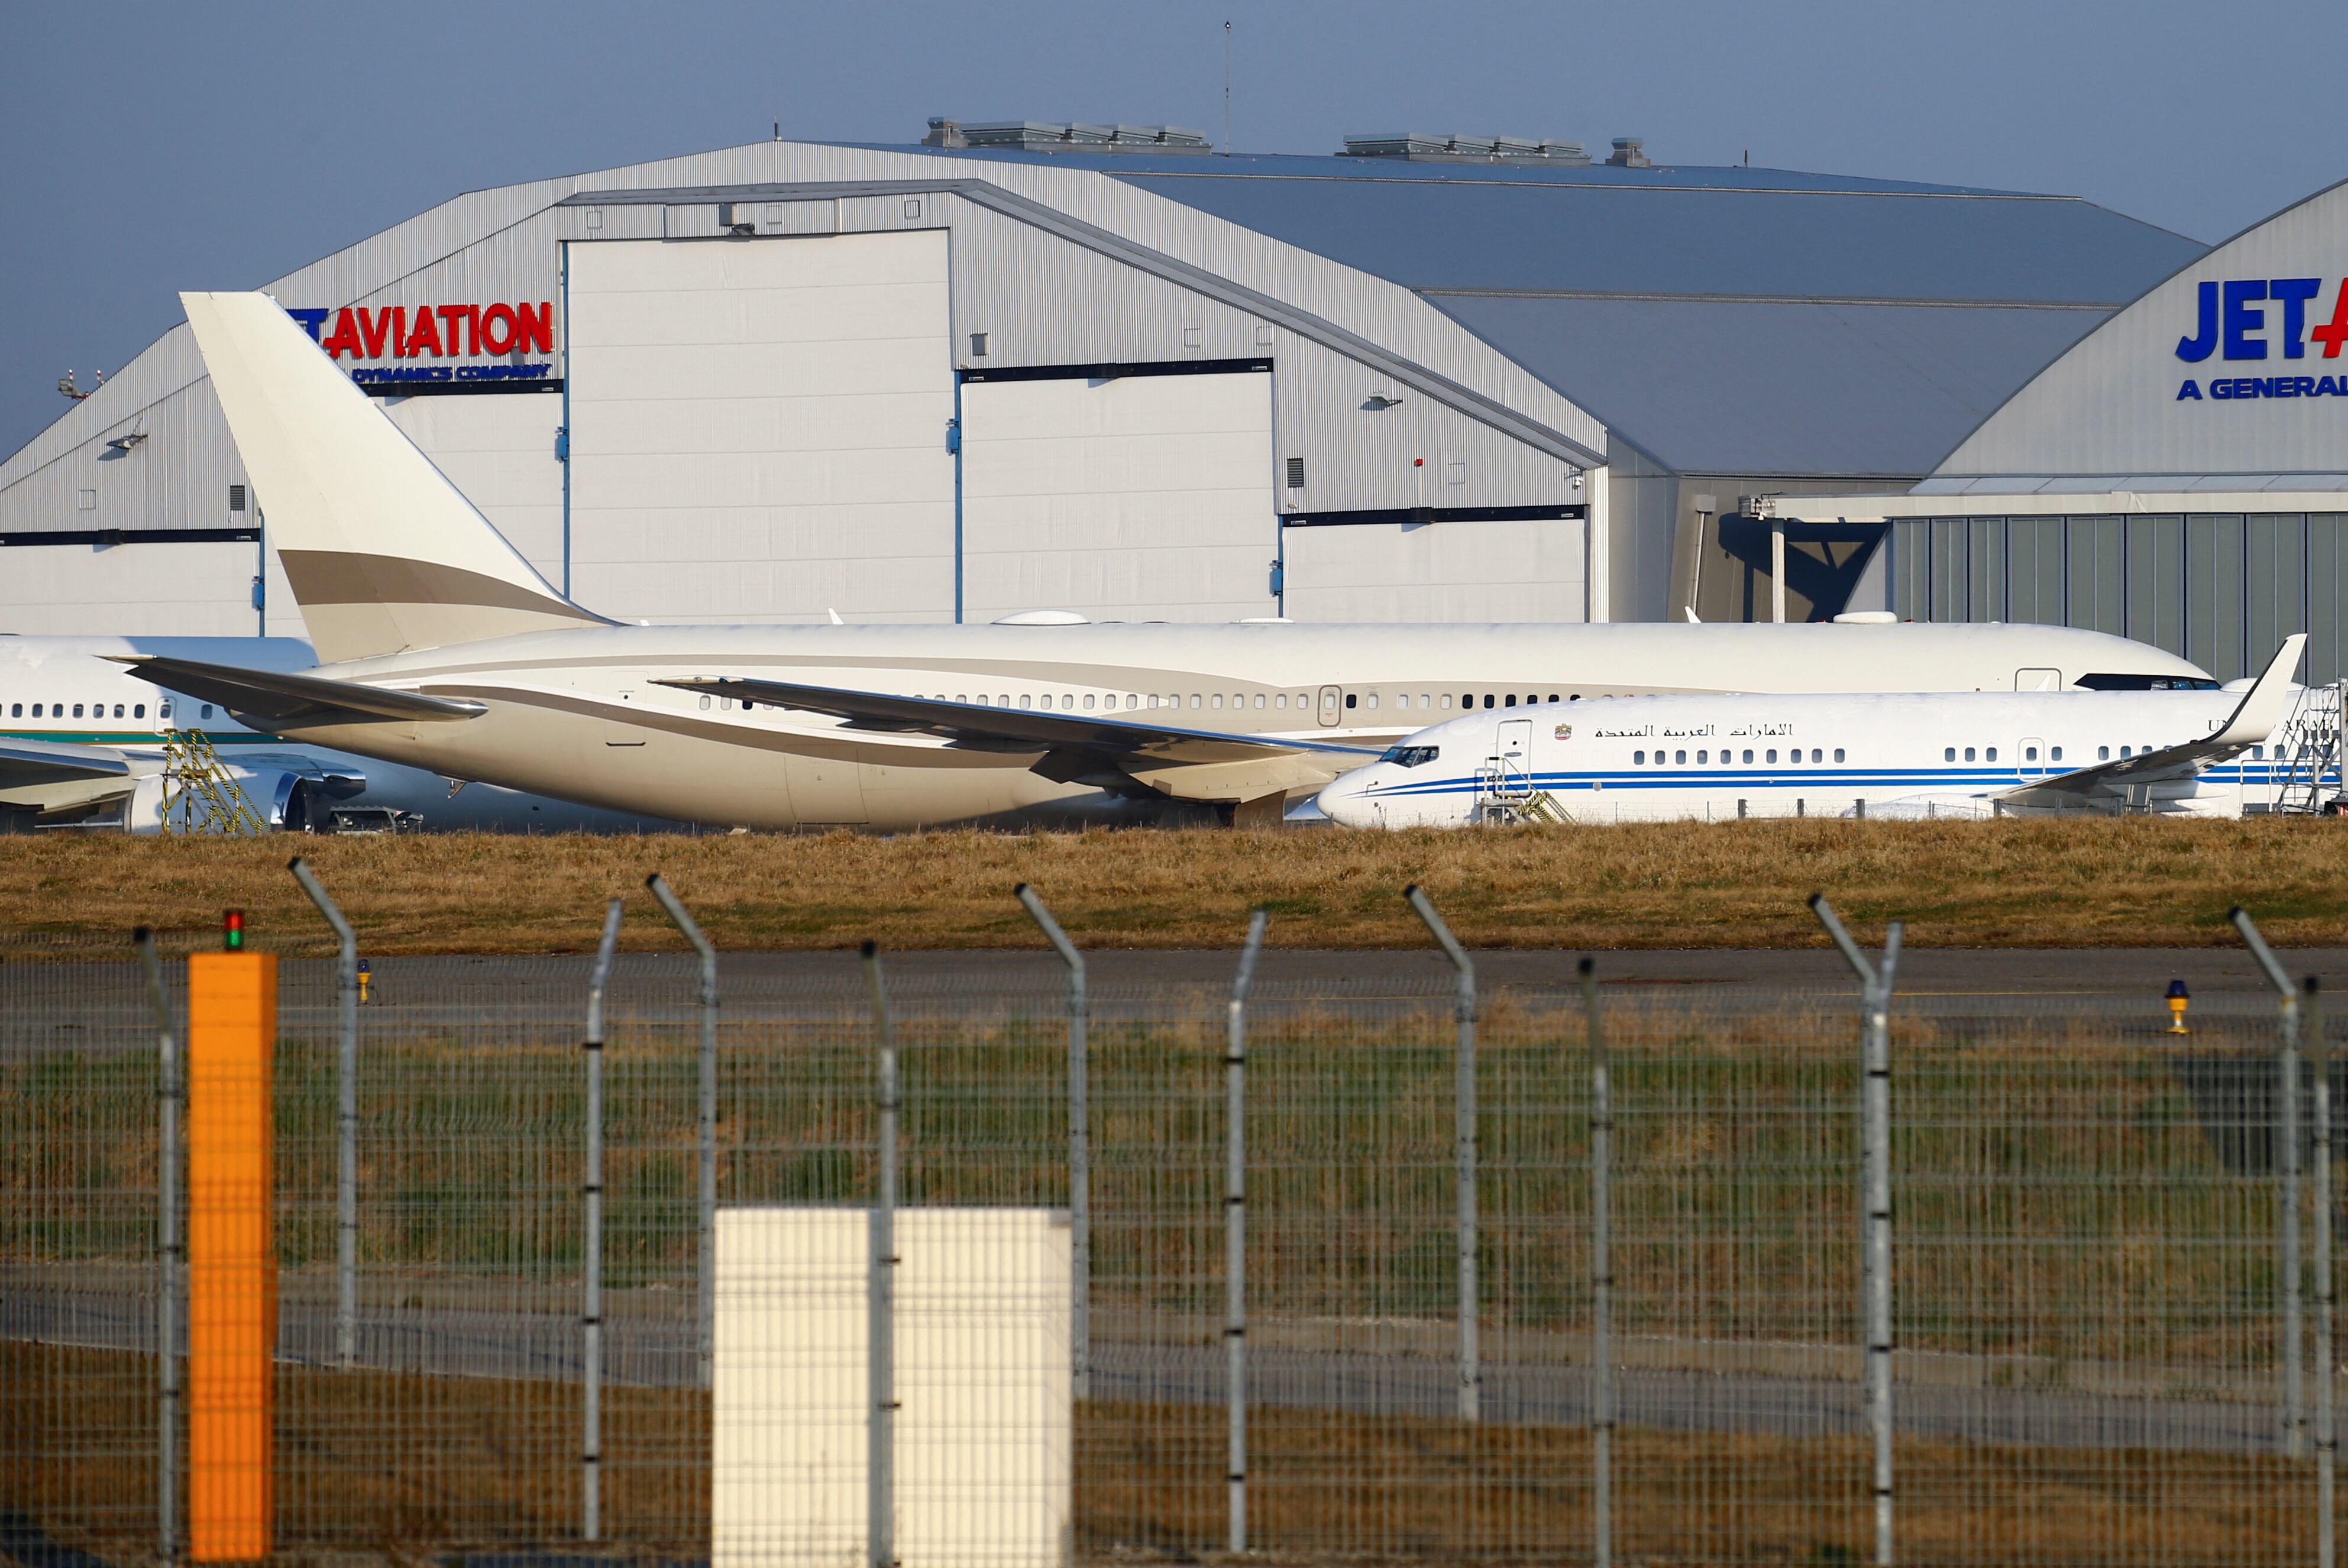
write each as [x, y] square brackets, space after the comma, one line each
[1340, 801]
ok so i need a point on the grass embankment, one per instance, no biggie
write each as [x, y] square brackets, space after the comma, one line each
[2119, 883]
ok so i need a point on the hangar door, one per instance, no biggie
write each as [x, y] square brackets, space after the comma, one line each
[1512, 569]
[1137, 498]
[759, 427]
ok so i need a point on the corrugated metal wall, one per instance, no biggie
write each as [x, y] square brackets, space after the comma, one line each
[2222, 588]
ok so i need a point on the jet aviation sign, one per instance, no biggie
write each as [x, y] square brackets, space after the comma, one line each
[2231, 321]
[436, 332]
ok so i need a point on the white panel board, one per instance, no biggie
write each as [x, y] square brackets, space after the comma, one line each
[985, 1466]
[759, 427]
[138, 591]
[499, 450]
[1439, 571]
[1140, 499]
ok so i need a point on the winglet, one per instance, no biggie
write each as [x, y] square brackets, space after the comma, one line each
[2261, 708]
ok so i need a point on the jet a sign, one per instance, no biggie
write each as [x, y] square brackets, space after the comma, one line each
[2242, 318]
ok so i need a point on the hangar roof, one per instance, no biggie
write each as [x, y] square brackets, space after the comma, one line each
[1724, 320]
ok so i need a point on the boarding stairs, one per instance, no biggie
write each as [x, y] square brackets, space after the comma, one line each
[200, 793]
[1505, 795]
[2308, 746]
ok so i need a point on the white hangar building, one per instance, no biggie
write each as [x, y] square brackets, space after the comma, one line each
[2179, 475]
[1102, 369]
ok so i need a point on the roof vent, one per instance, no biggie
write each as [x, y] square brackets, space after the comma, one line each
[1424, 147]
[944, 133]
[1042, 135]
[1628, 154]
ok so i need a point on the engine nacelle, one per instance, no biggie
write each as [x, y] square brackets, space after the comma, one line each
[286, 800]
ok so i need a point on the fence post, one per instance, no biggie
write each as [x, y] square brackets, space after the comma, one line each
[1080, 1145]
[2287, 1090]
[1875, 1140]
[170, 1251]
[1235, 1229]
[591, 1308]
[1471, 1374]
[706, 1283]
[1601, 1277]
[880, 1296]
[2327, 1431]
[347, 1114]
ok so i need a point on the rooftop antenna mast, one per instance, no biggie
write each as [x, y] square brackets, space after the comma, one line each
[1227, 89]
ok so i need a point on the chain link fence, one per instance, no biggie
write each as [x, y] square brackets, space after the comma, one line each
[2110, 1252]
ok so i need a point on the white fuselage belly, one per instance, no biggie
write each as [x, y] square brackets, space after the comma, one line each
[577, 713]
[1682, 758]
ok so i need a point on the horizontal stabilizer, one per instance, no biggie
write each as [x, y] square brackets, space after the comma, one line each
[291, 701]
[977, 727]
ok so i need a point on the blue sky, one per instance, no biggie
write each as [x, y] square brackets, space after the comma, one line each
[146, 149]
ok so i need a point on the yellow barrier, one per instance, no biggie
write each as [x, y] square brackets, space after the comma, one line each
[232, 1255]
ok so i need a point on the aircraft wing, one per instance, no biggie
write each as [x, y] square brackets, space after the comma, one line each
[2253, 721]
[287, 700]
[1133, 742]
[24, 763]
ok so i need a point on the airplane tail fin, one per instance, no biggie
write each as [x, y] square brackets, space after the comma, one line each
[384, 554]
[2262, 707]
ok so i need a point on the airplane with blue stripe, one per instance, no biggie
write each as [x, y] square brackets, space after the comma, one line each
[2184, 752]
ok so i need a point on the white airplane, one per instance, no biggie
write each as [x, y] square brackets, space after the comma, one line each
[447, 652]
[83, 746]
[1963, 753]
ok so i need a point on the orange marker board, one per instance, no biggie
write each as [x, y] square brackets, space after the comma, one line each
[232, 1255]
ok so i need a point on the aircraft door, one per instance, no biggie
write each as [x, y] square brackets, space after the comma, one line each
[1514, 754]
[1333, 705]
[2030, 760]
[2038, 680]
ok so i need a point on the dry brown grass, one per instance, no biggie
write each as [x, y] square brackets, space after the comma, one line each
[378, 1468]
[2025, 884]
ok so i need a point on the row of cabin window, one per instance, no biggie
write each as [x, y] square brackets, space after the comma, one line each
[96, 710]
[2054, 754]
[1728, 758]
[1069, 701]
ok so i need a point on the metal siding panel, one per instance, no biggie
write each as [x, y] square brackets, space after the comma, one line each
[1484, 571]
[147, 590]
[2327, 598]
[2275, 582]
[2155, 597]
[2213, 576]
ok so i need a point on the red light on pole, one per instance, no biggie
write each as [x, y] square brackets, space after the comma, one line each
[232, 931]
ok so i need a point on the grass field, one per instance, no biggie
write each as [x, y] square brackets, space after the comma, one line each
[2015, 884]
[377, 1468]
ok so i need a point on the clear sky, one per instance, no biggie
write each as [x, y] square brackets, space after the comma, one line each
[150, 148]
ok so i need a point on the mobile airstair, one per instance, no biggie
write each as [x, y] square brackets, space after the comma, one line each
[1505, 795]
[2307, 753]
[200, 793]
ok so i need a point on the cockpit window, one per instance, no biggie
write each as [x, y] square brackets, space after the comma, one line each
[2144, 683]
[1411, 756]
